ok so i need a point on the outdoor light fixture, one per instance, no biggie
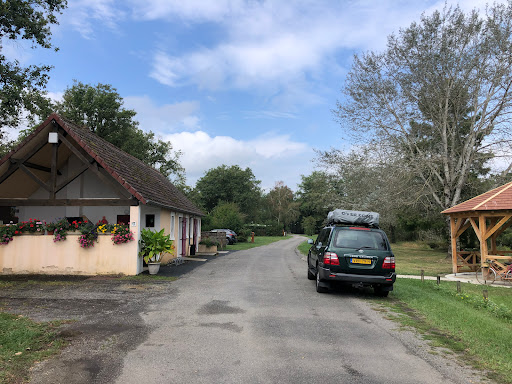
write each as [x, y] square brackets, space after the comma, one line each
[53, 137]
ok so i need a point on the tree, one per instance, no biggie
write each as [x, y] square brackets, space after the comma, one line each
[309, 225]
[22, 88]
[229, 185]
[282, 205]
[318, 194]
[227, 215]
[100, 108]
[440, 95]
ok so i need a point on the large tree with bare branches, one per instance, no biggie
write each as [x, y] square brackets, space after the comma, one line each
[440, 95]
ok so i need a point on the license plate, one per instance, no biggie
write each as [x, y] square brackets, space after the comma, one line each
[360, 261]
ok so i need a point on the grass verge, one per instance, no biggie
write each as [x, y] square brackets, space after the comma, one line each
[23, 342]
[480, 330]
[258, 242]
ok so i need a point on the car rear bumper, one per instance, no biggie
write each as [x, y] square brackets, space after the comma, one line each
[351, 278]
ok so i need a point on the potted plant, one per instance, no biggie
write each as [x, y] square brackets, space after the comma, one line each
[153, 246]
[89, 234]
[60, 230]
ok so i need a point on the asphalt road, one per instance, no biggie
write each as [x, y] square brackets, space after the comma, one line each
[253, 317]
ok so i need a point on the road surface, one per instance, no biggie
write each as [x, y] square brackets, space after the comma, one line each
[253, 317]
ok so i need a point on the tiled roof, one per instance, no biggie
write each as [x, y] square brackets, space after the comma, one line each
[143, 182]
[496, 199]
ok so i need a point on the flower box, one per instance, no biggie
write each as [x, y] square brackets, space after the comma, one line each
[205, 249]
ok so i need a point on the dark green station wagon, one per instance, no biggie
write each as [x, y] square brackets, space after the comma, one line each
[356, 255]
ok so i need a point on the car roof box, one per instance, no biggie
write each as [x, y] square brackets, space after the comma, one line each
[342, 216]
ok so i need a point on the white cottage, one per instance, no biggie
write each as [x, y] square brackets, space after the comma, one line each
[64, 170]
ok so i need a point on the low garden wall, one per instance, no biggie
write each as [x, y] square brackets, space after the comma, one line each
[39, 254]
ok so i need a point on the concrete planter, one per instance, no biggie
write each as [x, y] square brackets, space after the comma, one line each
[204, 249]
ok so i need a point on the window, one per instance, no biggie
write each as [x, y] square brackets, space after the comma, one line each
[150, 221]
[172, 226]
[323, 237]
[360, 240]
[123, 219]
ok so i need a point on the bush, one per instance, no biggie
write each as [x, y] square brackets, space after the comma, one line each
[244, 235]
[207, 242]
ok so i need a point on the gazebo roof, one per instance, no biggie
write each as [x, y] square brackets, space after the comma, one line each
[496, 199]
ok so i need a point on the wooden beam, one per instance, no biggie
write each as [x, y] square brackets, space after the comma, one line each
[68, 202]
[73, 149]
[460, 230]
[496, 226]
[53, 174]
[475, 228]
[453, 228]
[34, 177]
[28, 164]
[17, 162]
[484, 252]
[504, 228]
[77, 173]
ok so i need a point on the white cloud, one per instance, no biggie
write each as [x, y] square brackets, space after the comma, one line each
[165, 118]
[275, 43]
[270, 157]
[85, 15]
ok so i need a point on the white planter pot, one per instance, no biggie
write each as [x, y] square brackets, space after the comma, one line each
[153, 268]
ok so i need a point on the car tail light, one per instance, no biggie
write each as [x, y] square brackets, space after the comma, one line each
[389, 263]
[331, 258]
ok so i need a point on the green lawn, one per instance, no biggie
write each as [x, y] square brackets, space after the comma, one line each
[258, 242]
[412, 257]
[480, 330]
[22, 343]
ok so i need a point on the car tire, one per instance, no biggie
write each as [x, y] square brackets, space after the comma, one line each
[311, 275]
[380, 292]
[319, 288]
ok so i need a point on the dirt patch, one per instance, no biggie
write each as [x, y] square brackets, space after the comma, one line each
[105, 321]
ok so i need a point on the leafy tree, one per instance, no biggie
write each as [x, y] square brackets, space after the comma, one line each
[282, 205]
[227, 215]
[230, 185]
[439, 96]
[22, 88]
[309, 225]
[318, 194]
[101, 109]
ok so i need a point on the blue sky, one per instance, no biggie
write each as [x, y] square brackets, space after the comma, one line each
[229, 82]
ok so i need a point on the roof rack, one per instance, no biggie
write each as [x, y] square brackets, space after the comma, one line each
[342, 216]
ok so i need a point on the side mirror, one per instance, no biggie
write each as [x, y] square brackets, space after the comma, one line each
[310, 241]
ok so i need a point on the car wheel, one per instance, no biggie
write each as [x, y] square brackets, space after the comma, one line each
[380, 292]
[311, 275]
[319, 288]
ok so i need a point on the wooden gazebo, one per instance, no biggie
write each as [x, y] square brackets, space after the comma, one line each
[489, 214]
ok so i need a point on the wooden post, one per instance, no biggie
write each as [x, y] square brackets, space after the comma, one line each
[422, 274]
[458, 286]
[438, 279]
[484, 252]
[453, 237]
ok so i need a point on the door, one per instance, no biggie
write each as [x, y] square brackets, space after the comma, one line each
[318, 248]
[183, 241]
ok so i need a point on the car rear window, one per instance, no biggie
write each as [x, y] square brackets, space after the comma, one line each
[353, 238]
